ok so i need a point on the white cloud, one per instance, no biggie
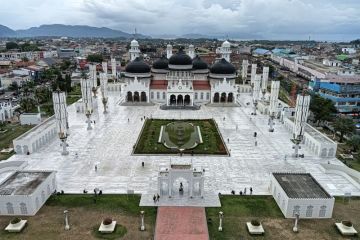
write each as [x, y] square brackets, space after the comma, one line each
[266, 18]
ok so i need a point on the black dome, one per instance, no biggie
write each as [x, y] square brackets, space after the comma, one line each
[137, 66]
[198, 63]
[161, 63]
[180, 58]
[222, 67]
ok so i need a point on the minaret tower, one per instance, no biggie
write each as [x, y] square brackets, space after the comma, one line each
[134, 50]
[192, 51]
[225, 50]
[168, 51]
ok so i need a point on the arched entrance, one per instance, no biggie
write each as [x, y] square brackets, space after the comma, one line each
[173, 100]
[187, 100]
[136, 97]
[129, 97]
[143, 97]
[223, 97]
[230, 97]
[180, 100]
[216, 97]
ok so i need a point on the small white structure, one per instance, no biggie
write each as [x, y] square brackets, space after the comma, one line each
[6, 111]
[24, 192]
[181, 180]
[36, 137]
[255, 230]
[107, 228]
[16, 227]
[30, 118]
[300, 193]
[345, 230]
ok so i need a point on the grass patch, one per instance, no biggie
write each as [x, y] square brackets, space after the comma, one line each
[148, 140]
[119, 232]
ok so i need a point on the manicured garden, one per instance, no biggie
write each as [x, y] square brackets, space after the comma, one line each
[149, 137]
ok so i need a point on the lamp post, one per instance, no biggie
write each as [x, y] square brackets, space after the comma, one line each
[295, 228]
[67, 226]
[142, 227]
[221, 216]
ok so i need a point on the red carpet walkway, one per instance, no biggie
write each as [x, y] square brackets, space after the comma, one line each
[181, 223]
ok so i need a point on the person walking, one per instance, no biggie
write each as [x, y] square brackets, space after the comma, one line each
[154, 198]
[244, 191]
[158, 197]
[251, 190]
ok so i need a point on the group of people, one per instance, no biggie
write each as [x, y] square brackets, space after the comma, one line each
[243, 192]
[156, 198]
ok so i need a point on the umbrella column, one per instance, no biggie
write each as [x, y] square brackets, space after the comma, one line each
[86, 86]
[61, 116]
[104, 90]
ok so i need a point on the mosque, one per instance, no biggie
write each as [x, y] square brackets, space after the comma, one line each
[180, 79]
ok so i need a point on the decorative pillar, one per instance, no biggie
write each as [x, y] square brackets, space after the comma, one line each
[301, 115]
[142, 227]
[221, 216]
[253, 72]
[256, 89]
[86, 87]
[105, 67]
[61, 117]
[245, 66]
[275, 87]
[265, 77]
[104, 90]
[93, 78]
[67, 226]
[113, 68]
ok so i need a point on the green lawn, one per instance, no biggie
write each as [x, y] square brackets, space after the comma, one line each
[235, 207]
[148, 141]
[13, 131]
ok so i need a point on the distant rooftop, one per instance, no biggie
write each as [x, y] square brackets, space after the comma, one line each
[300, 185]
[23, 183]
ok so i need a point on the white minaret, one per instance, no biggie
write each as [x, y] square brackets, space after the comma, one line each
[104, 89]
[301, 115]
[86, 86]
[168, 51]
[134, 50]
[265, 78]
[253, 72]
[274, 94]
[191, 51]
[245, 66]
[257, 89]
[113, 67]
[61, 117]
[225, 50]
[105, 67]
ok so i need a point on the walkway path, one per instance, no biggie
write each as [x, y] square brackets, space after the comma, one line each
[181, 223]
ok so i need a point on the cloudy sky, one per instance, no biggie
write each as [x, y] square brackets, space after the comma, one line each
[260, 19]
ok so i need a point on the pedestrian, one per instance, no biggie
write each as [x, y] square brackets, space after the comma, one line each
[285, 157]
[241, 193]
[228, 140]
[255, 143]
[251, 190]
[154, 198]
[141, 119]
[236, 127]
[158, 197]
[142, 164]
[95, 168]
[128, 120]
[244, 191]
[255, 134]
[94, 121]
[224, 119]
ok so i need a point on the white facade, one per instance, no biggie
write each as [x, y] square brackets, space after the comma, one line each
[26, 204]
[30, 118]
[36, 137]
[306, 207]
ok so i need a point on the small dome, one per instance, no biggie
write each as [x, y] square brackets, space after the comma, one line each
[169, 46]
[180, 58]
[134, 43]
[161, 63]
[198, 63]
[137, 66]
[222, 67]
[225, 44]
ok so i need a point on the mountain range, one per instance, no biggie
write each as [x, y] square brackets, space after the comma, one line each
[60, 30]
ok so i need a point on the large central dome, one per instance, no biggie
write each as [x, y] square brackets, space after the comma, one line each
[222, 67]
[180, 58]
[137, 66]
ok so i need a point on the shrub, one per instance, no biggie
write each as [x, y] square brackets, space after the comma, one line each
[107, 221]
[15, 220]
[347, 223]
[255, 223]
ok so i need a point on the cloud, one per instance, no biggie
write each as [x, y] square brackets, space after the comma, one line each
[236, 18]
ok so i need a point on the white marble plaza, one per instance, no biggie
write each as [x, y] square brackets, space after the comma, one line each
[109, 146]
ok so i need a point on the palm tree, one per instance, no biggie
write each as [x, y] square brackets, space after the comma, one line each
[354, 142]
[27, 104]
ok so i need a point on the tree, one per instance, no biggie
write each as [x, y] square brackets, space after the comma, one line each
[95, 58]
[27, 104]
[11, 45]
[42, 94]
[344, 125]
[67, 82]
[354, 142]
[323, 109]
[65, 65]
[13, 86]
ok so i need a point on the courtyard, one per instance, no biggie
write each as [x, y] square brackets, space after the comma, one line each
[110, 144]
[188, 136]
